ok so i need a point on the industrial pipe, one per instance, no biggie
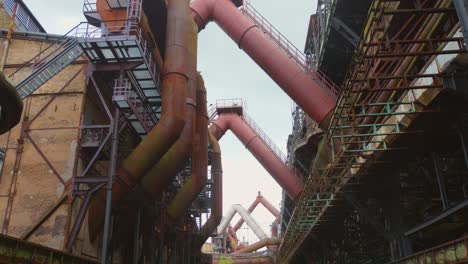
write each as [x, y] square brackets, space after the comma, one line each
[301, 87]
[174, 161]
[258, 200]
[248, 219]
[217, 175]
[242, 260]
[197, 181]
[277, 169]
[168, 129]
[11, 105]
[258, 245]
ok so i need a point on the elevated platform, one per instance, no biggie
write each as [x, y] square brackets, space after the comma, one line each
[236, 106]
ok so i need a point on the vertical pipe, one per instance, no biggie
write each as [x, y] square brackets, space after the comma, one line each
[197, 181]
[163, 172]
[160, 139]
[217, 210]
[111, 173]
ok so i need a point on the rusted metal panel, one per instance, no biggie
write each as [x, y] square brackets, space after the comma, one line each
[14, 250]
[450, 253]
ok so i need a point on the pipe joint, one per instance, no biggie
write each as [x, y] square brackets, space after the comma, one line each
[198, 20]
[250, 141]
[191, 102]
[245, 33]
[170, 73]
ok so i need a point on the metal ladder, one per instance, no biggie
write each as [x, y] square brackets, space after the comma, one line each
[293, 53]
[49, 66]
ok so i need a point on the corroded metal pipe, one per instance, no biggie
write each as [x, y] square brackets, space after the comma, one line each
[217, 211]
[304, 90]
[174, 161]
[258, 245]
[168, 129]
[11, 105]
[242, 259]
[275, 167]
[267, 205]
[198, 178]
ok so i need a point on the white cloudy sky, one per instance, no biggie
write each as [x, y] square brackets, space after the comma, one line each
[228, 73]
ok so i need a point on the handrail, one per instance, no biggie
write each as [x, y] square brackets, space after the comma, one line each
[264, 137]
[87, 31]
[90, 6]
[292, 51]
[34, 65]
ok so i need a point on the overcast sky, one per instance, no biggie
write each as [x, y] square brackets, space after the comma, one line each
[228, 73]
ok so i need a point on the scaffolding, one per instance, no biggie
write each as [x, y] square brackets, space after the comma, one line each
[384, 91]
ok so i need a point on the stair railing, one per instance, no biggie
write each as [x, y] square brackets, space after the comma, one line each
[264, 137]
[292, 51]
[36, 61]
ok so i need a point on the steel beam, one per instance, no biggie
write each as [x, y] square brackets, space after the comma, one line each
[110, 182]
[437, 218]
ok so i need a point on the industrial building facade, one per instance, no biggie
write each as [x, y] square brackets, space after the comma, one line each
[115, 156]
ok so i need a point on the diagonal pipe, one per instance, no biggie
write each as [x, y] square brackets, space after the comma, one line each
[237, 208]
[261, 200]
[305, 90]
[275, 167]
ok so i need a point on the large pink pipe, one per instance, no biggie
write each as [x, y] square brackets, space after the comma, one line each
[285, 72]
[277, 169]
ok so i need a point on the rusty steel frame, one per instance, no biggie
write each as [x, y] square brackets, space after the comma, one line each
[320, 193]
[96, 182]
[24, 134]
[452, 252]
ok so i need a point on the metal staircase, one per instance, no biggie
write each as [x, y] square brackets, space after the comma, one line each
[292, 51]
[143, 112]
[44, 69]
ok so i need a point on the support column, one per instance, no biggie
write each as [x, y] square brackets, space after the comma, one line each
[440, 182]
[462, 11]
[136, 237]
[401, 245]
[110, 180]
